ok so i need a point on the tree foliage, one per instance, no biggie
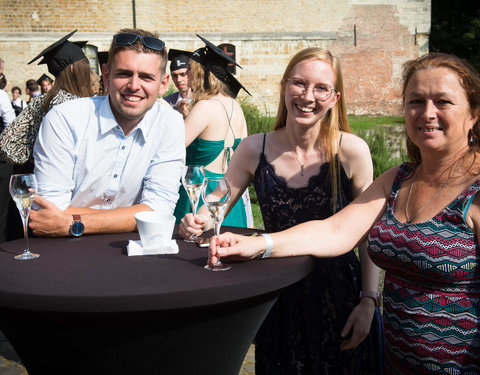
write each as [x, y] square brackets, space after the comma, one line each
[456, 29]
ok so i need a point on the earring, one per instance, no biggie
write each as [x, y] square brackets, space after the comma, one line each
[471, 139]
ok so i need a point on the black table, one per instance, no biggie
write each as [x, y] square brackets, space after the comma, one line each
[85, 307]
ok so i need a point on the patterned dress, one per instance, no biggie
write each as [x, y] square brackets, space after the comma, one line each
[17, 140]
[301, 334]
[431, 305]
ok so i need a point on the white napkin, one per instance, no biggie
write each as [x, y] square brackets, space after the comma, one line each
[167, 247]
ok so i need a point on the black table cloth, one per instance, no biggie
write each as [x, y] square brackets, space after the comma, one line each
[84, 306]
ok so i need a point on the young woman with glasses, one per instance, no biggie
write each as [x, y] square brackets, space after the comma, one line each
[309, 167]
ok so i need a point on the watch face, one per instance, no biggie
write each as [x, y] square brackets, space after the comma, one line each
[77, 228]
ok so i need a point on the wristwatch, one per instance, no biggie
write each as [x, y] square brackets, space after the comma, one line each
[77, 228]
[370, 294]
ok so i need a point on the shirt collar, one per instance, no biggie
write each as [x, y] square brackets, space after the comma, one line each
[109, 123]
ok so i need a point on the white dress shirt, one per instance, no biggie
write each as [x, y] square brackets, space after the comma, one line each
[7, 114]
[83, 159]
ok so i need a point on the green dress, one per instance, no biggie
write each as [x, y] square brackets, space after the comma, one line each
[203, 152]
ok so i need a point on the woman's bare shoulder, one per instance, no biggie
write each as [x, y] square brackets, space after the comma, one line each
[253, 142]
[352, 145]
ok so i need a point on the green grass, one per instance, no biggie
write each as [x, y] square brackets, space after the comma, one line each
[358, 123]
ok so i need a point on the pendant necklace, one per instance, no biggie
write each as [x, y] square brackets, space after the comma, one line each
[444, 185]
[302, 164]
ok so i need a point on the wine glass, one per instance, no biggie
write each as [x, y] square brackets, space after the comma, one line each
[192, 179]
[216, 196]
[23, 188]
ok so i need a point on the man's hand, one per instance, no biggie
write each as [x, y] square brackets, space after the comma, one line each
[50, 221]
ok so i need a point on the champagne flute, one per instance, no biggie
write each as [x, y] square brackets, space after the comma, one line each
[23, 188]
[192, 179]
[216, 196]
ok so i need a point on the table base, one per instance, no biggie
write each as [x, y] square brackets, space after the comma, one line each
[177, 342]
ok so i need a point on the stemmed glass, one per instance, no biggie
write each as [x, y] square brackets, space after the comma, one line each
[216, 196]
[192, 179]
[23, 188]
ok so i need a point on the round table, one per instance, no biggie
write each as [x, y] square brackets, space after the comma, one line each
[85, 307]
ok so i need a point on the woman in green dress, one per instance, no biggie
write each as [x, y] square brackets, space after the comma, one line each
[215, 124]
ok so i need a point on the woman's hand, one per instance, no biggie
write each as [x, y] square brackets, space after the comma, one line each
[184, 107]
[358, 324]
[236, 247]
[191, 225]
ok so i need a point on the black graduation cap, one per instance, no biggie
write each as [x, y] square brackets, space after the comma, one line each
[216, 61]
[61, 54]
[43, 78]
[179, 59]
[102, 57]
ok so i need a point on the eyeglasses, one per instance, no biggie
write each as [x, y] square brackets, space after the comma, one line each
[127, 39]
[298, 86]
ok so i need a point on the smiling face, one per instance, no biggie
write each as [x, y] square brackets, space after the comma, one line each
[437, 112]
[304, 108]
[134, 81]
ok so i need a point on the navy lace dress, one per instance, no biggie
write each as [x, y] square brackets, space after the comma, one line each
[301, 334]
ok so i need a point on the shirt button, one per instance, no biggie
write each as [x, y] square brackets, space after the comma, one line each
[123, 147]
[108, 199]
[115, 175]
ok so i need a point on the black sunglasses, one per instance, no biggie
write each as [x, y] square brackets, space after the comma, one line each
[127, 39]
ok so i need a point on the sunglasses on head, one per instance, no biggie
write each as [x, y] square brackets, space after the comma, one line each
[127, 39]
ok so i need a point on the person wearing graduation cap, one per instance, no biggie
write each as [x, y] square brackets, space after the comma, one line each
[45, 83]
[179, 65]
[70, 67]
[100, 160]
[215, 125]
[309, 167]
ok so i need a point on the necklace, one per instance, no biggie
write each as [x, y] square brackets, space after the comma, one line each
[302, 164]
[444, 185]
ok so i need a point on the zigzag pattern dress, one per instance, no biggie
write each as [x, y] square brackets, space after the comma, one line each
[431, 305]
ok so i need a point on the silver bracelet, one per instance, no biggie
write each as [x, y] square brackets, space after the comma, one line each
[269, 248]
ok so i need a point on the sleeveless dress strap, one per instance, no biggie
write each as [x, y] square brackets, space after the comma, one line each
[227, 149]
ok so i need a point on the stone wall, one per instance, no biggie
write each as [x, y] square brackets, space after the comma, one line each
[373, 38]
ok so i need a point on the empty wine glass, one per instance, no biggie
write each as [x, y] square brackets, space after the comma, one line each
[23, 188]
[216, 196]
[192, 179]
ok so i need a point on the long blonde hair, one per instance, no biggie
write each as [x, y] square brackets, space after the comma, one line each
[335, 120]
[198, 78]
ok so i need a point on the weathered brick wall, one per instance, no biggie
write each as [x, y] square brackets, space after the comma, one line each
[266, 34]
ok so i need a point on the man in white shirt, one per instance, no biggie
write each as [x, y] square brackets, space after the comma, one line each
[100, 160]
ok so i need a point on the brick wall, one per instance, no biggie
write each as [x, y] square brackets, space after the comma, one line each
[266, 34]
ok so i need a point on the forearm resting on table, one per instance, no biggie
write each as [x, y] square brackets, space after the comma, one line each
[116, 220]
[319, 238]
